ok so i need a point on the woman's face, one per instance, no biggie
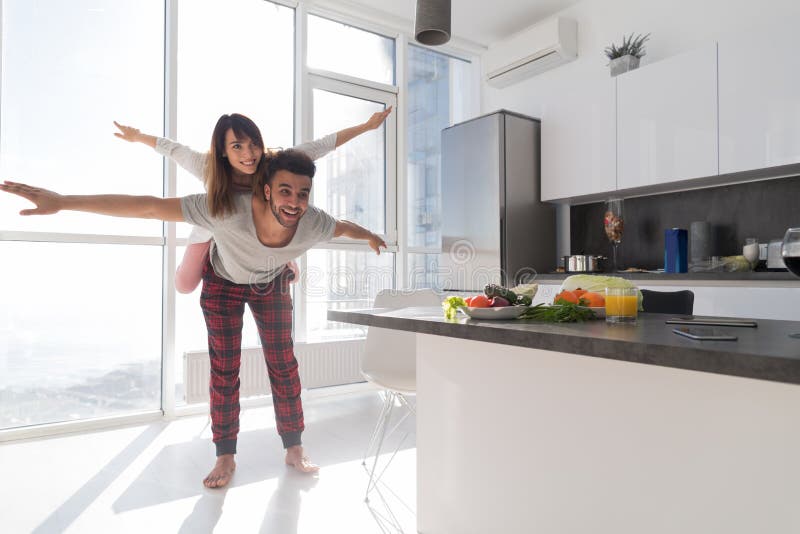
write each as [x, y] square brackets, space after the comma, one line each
[242, 153]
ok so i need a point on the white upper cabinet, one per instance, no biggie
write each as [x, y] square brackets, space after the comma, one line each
[667, 120]
[759, 100]
[578, 141]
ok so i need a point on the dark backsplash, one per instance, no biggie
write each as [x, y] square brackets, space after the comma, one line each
[762, 209]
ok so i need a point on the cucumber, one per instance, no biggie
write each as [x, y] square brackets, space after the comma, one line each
[494, 290]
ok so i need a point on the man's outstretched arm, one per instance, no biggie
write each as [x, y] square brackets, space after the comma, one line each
[138, 207]
[354, 231]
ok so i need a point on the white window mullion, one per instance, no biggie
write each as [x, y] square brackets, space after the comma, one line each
[302, 131]
[168, 378]
[401, 279]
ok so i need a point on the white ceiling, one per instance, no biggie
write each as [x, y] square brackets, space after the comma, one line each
[480, 21]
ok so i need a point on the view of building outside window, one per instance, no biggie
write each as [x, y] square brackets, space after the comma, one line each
[438, 97]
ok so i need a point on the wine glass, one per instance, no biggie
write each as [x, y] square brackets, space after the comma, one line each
[790, 251]
[614, 224]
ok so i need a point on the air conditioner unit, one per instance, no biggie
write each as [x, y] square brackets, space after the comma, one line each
[531, 52]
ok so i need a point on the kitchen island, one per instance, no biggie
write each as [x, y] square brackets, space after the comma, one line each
[532, 427]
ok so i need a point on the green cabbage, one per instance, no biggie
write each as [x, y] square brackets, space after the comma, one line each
[597, 283]
[529, 290]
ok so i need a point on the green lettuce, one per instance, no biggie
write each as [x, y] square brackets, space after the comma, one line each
[451, 306]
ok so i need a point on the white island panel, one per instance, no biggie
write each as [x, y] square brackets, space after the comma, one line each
[519, 440]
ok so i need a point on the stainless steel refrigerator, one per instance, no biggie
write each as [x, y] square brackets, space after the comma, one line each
[495, 229]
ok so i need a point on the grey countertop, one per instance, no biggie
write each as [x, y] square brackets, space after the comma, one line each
[766, 352]
[758, 276]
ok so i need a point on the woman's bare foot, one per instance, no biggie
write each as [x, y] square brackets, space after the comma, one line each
[222, 472]
[295, 458]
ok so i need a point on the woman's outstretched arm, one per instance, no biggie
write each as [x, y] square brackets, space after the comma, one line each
[343, 136]
[138, 207]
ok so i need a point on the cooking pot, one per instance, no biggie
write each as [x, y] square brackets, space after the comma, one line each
[584, 263]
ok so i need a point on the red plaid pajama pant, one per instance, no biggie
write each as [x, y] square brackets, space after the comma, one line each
[223, 303]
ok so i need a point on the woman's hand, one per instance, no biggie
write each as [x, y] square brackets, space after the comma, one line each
[295, 270]
[375, 243]
[377, 119]
[133, 135]
[47, 202]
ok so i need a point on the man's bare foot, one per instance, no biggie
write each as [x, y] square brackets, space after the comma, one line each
[295, 458]
[222, 472]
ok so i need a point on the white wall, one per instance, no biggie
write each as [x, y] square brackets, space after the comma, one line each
[675, 26]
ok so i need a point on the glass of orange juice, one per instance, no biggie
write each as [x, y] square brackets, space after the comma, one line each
[622, 304]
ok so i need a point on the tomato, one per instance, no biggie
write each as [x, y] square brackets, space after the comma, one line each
[569, 296]
[594, 300]
[480, 301]
[468, 300]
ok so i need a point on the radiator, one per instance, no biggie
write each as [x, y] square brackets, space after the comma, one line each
[321, 364]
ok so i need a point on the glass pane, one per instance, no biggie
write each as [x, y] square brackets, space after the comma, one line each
[235, 56]
[191, 334]
[423, 271]
[68, 70]
[439, 92]
[80, 335]
[340, 280]
[341, 48]
[351, 181]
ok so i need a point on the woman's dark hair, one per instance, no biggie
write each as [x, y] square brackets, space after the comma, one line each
[218, 176]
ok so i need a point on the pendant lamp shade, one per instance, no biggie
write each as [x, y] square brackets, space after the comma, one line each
[432, 23]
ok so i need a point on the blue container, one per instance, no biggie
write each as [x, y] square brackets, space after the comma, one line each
[675, 250]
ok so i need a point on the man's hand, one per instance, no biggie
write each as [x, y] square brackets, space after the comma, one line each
[377, 119]
[375, 243]
[47, 202]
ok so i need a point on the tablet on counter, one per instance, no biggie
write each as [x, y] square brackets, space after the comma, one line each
[704, 334]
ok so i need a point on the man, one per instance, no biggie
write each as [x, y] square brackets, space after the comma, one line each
[251, 247]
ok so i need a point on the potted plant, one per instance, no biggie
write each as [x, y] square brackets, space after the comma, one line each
[626, 56]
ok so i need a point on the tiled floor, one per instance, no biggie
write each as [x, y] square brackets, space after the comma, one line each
[148, 478]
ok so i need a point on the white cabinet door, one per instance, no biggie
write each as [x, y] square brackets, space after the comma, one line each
[578, 141]
[759, 100]
[667, 120]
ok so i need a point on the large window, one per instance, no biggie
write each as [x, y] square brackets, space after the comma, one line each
[89, 315]
[235, 56]
[80, 323]
[344, 49]
[438, 96]
[357, 182]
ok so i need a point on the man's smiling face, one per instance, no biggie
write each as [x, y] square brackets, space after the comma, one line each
[287, 194]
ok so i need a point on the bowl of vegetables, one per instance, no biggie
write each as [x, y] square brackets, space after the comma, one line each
[496, 302]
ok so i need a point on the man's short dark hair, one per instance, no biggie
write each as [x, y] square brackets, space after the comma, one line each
[290, 160]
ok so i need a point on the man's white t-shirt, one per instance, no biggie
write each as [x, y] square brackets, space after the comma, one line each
[237, 254]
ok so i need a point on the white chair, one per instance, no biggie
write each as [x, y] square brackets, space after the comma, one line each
[390, 362]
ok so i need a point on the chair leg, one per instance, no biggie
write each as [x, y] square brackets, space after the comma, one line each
[381, 434]
[387, 403]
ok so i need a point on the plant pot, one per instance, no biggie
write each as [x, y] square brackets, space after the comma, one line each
[623, 64]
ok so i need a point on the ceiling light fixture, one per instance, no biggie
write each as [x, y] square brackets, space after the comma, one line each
[432, 23]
